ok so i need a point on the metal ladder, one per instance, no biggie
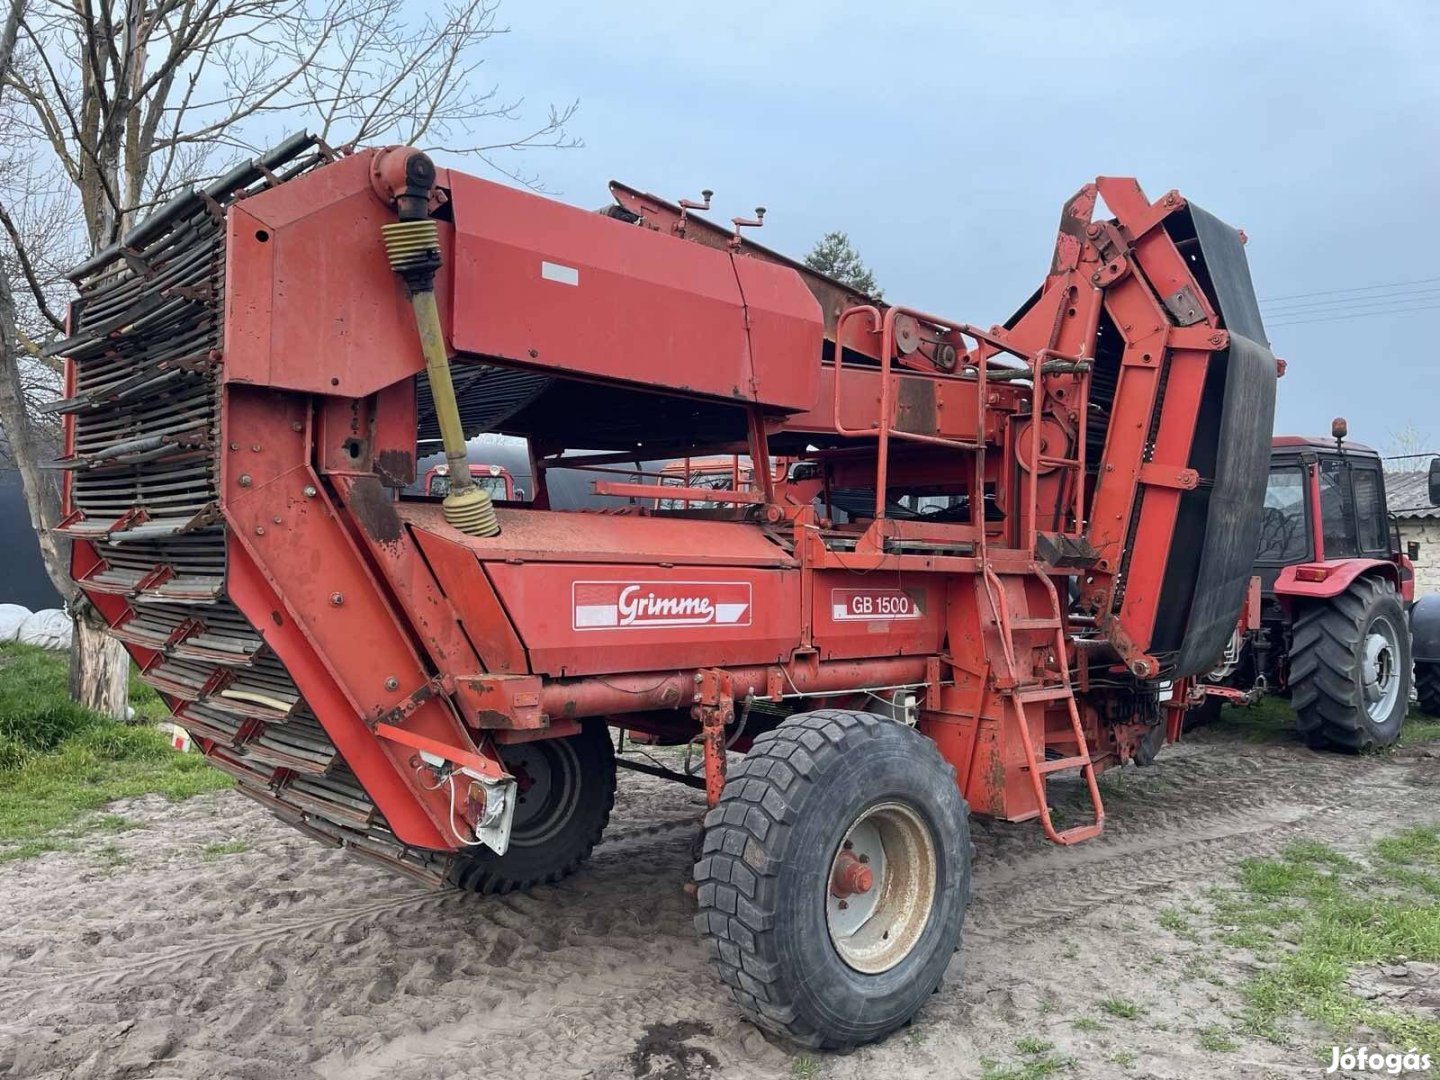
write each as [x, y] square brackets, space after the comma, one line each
[1018, 695]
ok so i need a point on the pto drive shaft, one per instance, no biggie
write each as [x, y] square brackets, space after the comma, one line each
[413, 247]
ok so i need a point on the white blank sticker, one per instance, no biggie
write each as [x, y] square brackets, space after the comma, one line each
[565, 275]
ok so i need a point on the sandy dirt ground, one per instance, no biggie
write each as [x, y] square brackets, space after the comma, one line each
[157, 958]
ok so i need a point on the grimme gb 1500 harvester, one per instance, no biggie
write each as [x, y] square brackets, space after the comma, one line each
[431, 683]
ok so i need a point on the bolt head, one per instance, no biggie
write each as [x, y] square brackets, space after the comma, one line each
[310, 491]
[392, 683]
[844, 904]
[245, 480]
[259, 530]
[336, 599]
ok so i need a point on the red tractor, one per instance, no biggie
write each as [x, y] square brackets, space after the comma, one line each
[1046, 537]
[1330, 625]
[495, 480]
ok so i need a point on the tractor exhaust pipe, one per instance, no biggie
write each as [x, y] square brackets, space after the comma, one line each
[405, 177]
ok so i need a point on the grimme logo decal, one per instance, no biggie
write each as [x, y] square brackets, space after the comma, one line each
[620, 605]
[867, 605]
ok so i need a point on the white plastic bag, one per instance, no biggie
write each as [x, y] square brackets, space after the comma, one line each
[11, 616]
[49, 629]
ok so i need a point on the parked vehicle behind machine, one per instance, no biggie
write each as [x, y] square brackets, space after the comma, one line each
[1334, 586]
[1047, 536]
[1425, 626]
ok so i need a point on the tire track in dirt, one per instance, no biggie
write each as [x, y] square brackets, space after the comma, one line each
[291, 960]
[223, 941]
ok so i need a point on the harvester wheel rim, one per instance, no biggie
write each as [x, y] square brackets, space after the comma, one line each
[548, 775]
[1379, 669]
[875, 928]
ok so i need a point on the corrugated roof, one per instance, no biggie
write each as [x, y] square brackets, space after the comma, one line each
[1407, 495]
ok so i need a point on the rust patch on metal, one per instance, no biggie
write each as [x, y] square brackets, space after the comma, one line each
[915, 406]
[371, 506]
[395, 468]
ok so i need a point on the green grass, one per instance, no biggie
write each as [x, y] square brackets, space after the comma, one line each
[1124, 1058]
[1120, 1007]
[805, 1067]
[220, 848]
[1325, 915]
[1033, 1046]
[1217, 1040]
[1033, 1068]
[1269, 720]
[60, 763]
[1087, 1024]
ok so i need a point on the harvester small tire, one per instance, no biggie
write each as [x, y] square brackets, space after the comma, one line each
[1207, 712]
[1350, 668]
[566, 791]
[1427, 686]
[834, 877]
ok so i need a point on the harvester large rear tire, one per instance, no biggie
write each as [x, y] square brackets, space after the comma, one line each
[1427, 686]
[834, 877]
[566, 792]
[1350, 668]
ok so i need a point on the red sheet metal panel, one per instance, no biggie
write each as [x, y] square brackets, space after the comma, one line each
[552, 285]
[540, 535]
[786, 332]
[877, 615]
[578, 618]
[310, 301]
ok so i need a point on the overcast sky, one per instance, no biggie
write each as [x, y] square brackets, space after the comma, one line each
[944, 137]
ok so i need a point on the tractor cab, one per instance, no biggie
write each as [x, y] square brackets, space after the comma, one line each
[494, 480]
[1324, 516]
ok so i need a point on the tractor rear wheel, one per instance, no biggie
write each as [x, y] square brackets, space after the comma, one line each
[566, 789]
[834, 877]
[1427, 686]
[1350, 668]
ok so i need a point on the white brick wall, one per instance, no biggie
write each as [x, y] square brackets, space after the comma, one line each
[1425, 532]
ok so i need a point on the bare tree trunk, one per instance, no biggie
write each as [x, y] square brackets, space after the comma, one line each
[99, 665]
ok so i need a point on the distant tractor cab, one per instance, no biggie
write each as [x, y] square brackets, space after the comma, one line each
[1328, 625]
[494, 480]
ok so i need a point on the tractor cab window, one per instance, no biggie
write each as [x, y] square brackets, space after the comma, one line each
[1283, 535]
[494, 486]
[1370, 520]
[1337, 509]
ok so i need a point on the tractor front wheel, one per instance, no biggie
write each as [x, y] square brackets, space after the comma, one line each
[566, 789]
[1350, 668]
[834, 877]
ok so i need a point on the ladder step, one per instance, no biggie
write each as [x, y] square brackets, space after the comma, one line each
[1061, 764]
[1027, 694]
[1077, 833]
[1042, 623]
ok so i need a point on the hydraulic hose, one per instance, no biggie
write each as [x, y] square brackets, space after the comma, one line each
[413, 247]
